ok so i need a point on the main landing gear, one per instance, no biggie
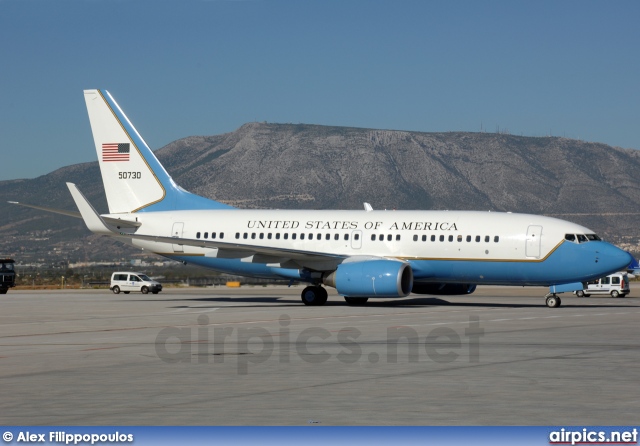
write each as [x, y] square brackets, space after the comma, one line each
[314, 295]
[553, 301]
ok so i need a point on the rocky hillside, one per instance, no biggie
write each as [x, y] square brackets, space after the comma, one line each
[317, 167]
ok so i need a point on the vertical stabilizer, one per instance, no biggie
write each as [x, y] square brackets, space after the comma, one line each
[134, 180]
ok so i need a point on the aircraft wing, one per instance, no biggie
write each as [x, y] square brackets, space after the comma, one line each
[76, 214]
[233, 250]
[250, 253]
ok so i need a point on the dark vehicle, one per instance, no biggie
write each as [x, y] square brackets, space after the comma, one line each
[7, 275]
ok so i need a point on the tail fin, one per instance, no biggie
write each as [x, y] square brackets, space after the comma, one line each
[134, 180]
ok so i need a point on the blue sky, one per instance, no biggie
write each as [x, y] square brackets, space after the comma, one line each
[196, 67]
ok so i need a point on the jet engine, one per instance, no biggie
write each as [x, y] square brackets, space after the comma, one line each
[382, 278]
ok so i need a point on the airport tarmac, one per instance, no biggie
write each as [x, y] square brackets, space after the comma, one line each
[257, 356]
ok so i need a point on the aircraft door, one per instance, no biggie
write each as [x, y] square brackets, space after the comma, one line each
[177, 232]
[356, 239]
[534, 239]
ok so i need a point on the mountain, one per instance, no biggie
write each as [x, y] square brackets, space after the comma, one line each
[318, 167]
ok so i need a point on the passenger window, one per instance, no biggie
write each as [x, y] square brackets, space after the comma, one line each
[222, 235]
[206, 235]
[433, 238]
[327, 237]
[424, 238]
[389, 237]
[301, 236]
[397, 237]
[213, 235]
[487, 238]
[197, 235]
[451, 238]
[286, 236]
[356, 236]
[582, 238]
[336, 237]
[261, 235]
[496, 239]
[346, 236]
[277, 236]
[468, 238]
[570, 237]
[253, 235]
[245, 235]
[415, 238]
[605, 281]
[293, 236]
[381, 237]
[477, 239]
[615, 280]
[319, 236]
[373, 237]
[459, 238]
[310, 236]
[269, 236]
[237, 235]
[442, 238]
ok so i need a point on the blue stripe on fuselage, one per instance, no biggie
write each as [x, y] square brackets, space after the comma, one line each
[570, 262]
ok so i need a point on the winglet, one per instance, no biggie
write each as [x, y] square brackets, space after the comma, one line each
[91, 218]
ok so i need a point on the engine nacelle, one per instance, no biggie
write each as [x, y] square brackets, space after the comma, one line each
[382, 278]
[443, 289]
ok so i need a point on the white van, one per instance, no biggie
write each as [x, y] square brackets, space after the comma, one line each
[127, 282]
[617, 285]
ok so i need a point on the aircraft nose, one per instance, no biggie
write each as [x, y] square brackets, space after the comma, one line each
[614, 256]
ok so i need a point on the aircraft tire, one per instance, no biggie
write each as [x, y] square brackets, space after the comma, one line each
[116, 289]
[553, 301]
[355, 301]
[314, 296]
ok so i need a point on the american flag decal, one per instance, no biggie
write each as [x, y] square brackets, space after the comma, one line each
[115, 152]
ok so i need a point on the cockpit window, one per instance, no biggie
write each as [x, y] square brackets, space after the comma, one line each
[582, 238]
[593, 237]
[570, 237]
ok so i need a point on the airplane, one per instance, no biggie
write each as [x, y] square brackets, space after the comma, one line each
[361, 253]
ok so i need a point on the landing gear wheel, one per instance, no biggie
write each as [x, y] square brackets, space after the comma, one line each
[314, 295]
[144, 290]
[116, 289]
[553, 301]
[615, 294]
[354, 301]
[580, 293]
